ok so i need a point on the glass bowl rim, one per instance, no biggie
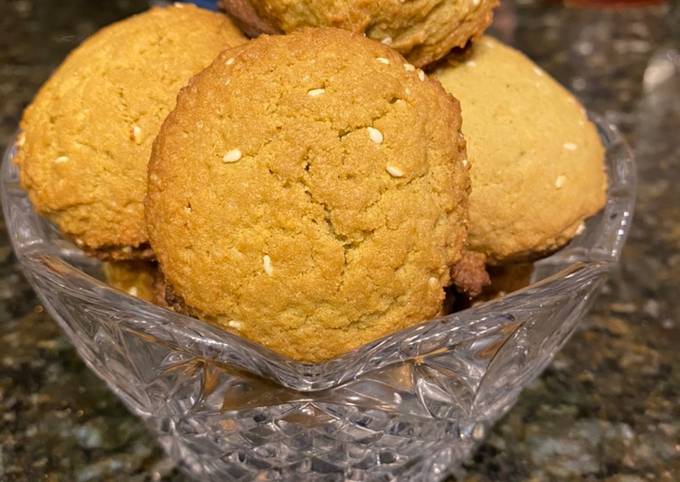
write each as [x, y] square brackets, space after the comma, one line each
[567, 267]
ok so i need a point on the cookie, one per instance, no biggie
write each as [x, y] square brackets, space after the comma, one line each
[87, 136]
[421, 30]
[537, 163]
[137, 278]
[308, 193]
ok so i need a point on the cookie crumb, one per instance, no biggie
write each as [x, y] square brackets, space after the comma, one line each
[560, 181]
[469, 275]
[375, 135]
[570, 146]
[21, 140]
[237, 325]
[409, 67]
[232, 156]
[394, 171]
[267, 265]
[383, 60]
[61, 159]
[421, 75]
[316, 92]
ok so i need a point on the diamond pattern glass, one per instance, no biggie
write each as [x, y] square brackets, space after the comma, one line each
[410, 406]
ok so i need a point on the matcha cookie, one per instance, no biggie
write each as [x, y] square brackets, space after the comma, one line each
[537, 163]
[421, 30]
[308, 192]
[87, 136]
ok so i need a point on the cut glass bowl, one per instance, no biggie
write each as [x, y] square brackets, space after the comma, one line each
[410, 406]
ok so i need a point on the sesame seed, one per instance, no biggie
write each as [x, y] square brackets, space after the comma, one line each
[375, 135]
[153, 178]
[133, 291]
[465, 162]
[237, 325]
[316, 92]
[383, 60]
[538, 71]
[471, 63]
[394, 171]
[421, 74]
[409, 67]
[560, 181]
[232, 156]
[387, 40]
[433, 282]
[570, 146]
[21, 140]
[127, 250]
[230, 61]
[581, 228]
[61, 159]
[267, 265]
[136, 134]
[407, 91]
[475, 2]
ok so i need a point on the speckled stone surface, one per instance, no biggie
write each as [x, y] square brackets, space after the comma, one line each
[607, 409]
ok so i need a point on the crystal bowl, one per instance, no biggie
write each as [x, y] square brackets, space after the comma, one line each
[410, 406]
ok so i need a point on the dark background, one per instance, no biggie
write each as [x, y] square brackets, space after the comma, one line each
[607, 409]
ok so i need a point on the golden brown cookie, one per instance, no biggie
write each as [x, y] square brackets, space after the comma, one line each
[537, 163]
[308, 193]
[421, 30]
[87, 136]
[137, 278]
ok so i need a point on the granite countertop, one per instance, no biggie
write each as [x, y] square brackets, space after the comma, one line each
[608, 408]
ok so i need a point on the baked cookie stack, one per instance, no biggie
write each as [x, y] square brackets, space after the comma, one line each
[314, 189]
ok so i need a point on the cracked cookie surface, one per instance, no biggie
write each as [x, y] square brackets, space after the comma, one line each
[308, 192]
[87, 136]
[421, 30]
